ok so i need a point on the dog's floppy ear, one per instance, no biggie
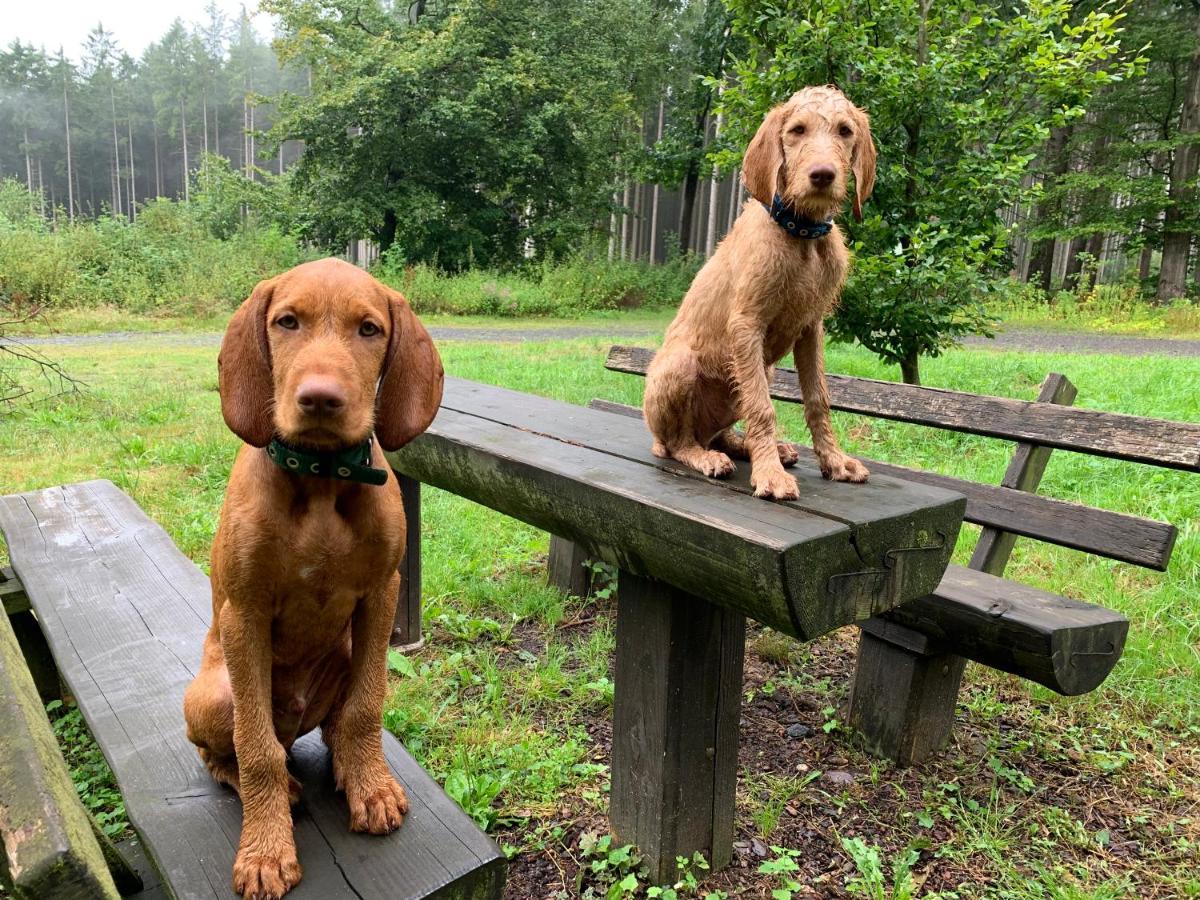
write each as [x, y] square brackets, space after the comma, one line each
[244, 370]
[862, 162]
[764, 156]
[410, 390]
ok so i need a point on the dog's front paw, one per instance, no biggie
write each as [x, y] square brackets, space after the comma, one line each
[844, 468]
[788, 454]
[774, 483]
[715, 464]
[378, 807]
[266, 876]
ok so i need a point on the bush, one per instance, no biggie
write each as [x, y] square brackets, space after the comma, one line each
[580, 284]
[166, 262]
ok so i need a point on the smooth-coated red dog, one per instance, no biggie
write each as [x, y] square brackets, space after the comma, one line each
[321, 369]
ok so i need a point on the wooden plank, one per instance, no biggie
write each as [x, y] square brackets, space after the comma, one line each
[1024, 473]
[12, 592]
[885, 517]
[776, 564]
[565, 567]
[677, 698]
[1067, 645]
[407, 630]
[49, 847]
[1174, 445]
[125, 613]
[1131, 539]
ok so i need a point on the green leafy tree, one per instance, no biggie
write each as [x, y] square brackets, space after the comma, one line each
[961, 95]
[485, 130]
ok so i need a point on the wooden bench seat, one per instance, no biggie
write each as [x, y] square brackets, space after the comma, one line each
[911, 659]
[125, 614]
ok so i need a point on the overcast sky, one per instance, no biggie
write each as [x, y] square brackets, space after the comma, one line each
[136, 23]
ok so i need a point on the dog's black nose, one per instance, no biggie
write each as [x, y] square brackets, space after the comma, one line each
[320, 396]
[822, 176]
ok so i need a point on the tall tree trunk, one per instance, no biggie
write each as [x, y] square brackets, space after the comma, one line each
[612, 226]
[625, 220]
[1041, 257]
[1074, 263]
[654, 196]
[42, 189]
[735, 191]
[636, 251]
[157, 163]
[28, 166]
[1144, 260]
[118, 206]
[690, 184]
[204, 107]
[714, 194]
[1095, 250]
[70, 174]
[1177, 236]
[186, 168]
[910, 368]
[132, 175]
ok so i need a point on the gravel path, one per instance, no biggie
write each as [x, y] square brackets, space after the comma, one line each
[1012, 339]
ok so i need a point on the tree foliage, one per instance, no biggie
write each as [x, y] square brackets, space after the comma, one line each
[483, 131]
[961, 95]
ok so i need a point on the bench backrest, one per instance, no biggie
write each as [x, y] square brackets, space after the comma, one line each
[1133, 539]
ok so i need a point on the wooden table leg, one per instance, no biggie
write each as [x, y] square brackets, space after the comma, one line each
[565, 569]
[675, 724]
[407, 631]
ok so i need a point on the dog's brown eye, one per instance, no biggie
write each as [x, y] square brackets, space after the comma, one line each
[845, 131]
[368, 329]
[288, 321]
[798, 129]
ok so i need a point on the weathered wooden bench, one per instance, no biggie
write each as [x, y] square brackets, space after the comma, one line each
[911, 659]
[125, 614]
[696, 557]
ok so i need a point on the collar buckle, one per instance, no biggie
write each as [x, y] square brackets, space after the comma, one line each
[795, 224]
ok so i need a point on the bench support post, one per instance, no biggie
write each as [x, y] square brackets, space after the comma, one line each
[905, 687]
[565, 567]
[406, 634]
[675, 724]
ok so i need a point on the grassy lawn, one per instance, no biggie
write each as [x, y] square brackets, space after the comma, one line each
[509, 703]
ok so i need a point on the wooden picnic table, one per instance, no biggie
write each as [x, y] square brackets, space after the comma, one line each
[695, 556]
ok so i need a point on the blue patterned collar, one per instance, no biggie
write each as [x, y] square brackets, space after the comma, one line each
[796, 225]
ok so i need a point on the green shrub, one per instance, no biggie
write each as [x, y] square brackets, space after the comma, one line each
[165, 262]
[582, 283]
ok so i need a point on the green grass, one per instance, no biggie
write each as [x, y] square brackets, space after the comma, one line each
[1039, 796]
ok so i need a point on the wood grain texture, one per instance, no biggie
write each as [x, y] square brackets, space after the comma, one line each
[677, 699]
[1067, 645]
[1131, 539]
[838, 555]
[125, 613]
[1158, 442]
[49, 849]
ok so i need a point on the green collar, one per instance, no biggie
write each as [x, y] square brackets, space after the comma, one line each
[346, 465]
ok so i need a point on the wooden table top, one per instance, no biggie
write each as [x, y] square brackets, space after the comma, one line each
[839, 554]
